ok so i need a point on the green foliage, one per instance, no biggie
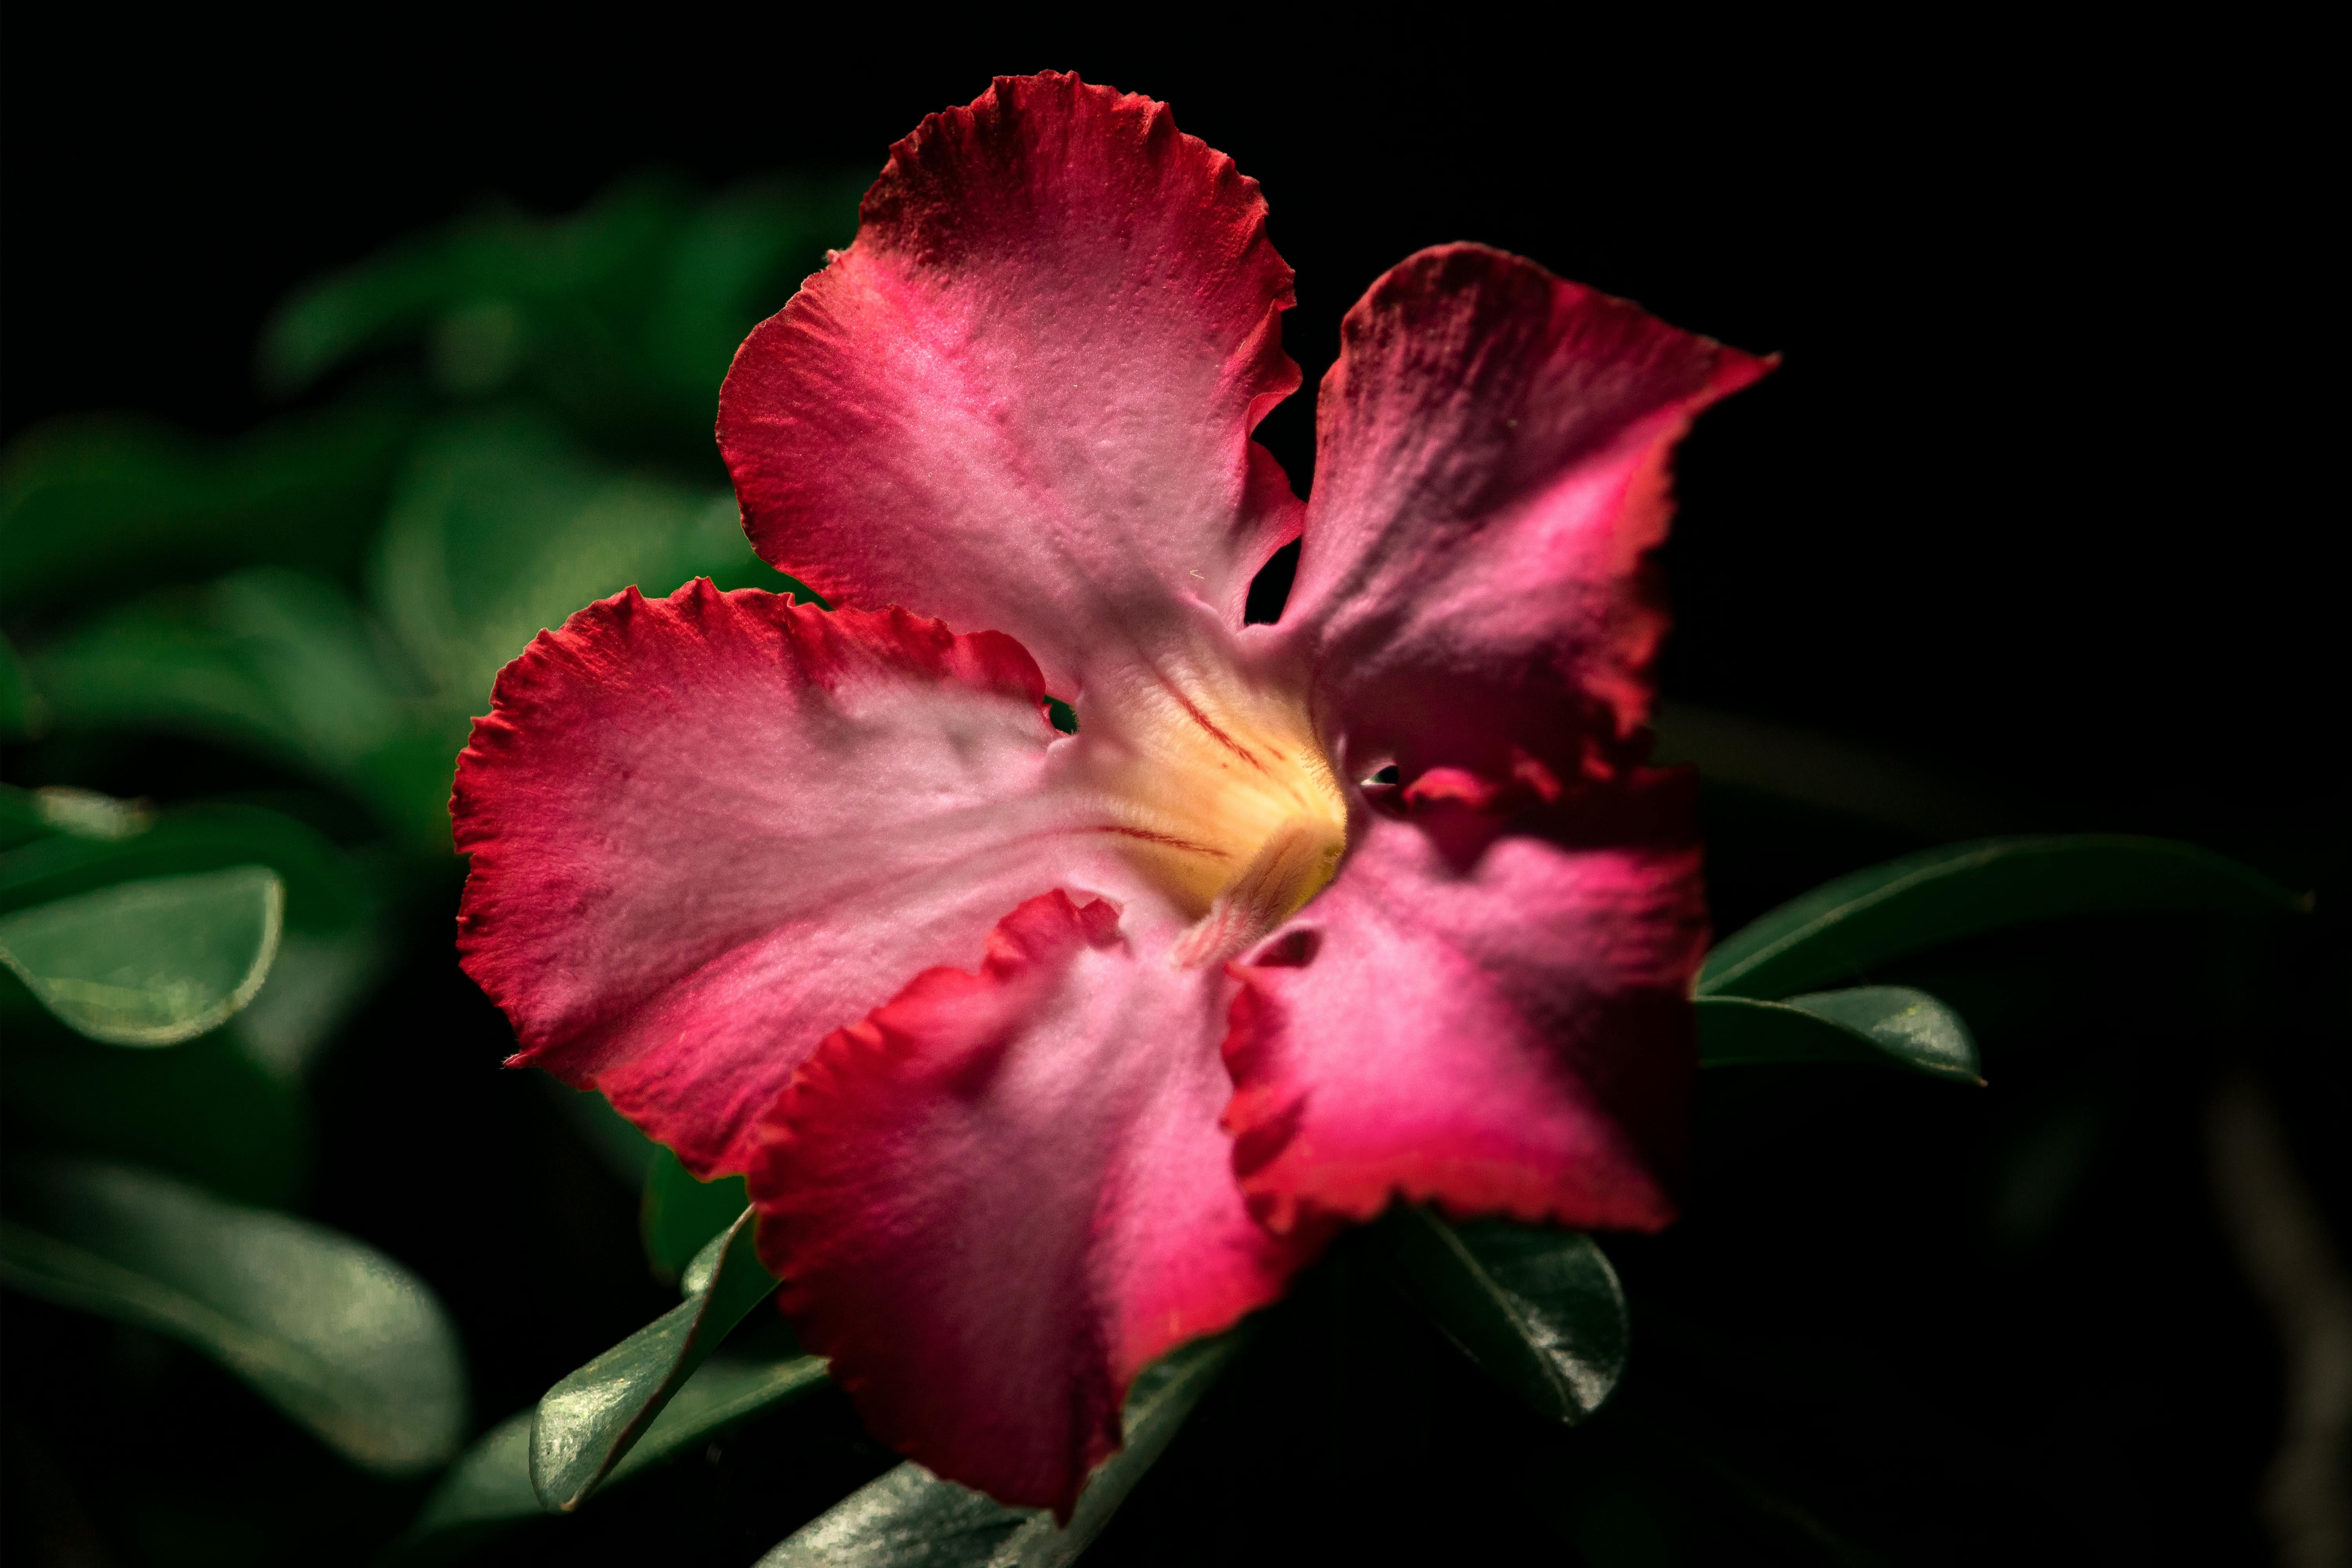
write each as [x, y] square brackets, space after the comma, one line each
[1886, 1024]
[911, 1519]
[1840, 930]
[678, 1215]
[503, 526]
[93, 505]
[488, 1489]
[587, 1422]
[624, 315]
[335, 1334]
[150, 962]
[1540, 1311]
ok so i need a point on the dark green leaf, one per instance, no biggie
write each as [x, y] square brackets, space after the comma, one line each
[624, 315]
[22, 711]
[30, 814]
[209, 1110]
[679, 1215]
[1540, 1310]
[1874, 1024]
[489, 1486]
[92, 506]
[274, 662]
[588, 1421]
[151, 962]
[503, 527]
[335, 1334]
[911, 1519]
[1839, 929]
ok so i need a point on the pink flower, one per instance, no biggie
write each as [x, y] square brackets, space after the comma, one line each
[1045, 1053]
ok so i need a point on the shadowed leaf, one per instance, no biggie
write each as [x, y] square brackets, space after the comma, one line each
[1840, 930]
[911, 1519]
[1540, 1311]
[1884, 1024]
[332, 1332]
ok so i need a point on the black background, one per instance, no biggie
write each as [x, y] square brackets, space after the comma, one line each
[2030, 501]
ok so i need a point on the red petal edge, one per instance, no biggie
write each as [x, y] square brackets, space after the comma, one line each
[1002, 1194]
[707, 830]
[1024, 397]
[1496, 1021]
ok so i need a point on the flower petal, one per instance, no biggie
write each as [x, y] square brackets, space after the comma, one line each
[709, 830]
[1497, 1020]
[1002, 1194]
[1490, 477]
[1023, 399]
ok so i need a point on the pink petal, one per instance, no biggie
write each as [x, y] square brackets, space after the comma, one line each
[1002, 1194]
[1023, 399]
[1495, 1020]
[1491, 473]
[709, 830]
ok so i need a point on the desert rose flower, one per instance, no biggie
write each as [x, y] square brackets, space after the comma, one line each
[1044, 1052]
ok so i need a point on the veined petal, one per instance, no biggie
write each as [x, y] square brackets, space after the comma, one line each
[1002, 1194]
[1491, 475]
[1023, 399]
[1494, 1015]
[709, 830]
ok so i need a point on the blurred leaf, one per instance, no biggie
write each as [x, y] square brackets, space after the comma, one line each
[911, 1519]
[588, 1421]
[90, 507]
[30, 814]
[679, 1215]
[489, 1486]
[272, 661]
[331, 1331]
[209, 1110]
[22, 711]
[1874, 1024]
[1540, 1311]
[504, 526]
[1823, 772]
[331, 951]
[625, 315]
[150, 962]
[616, 1144]
[1840, 928]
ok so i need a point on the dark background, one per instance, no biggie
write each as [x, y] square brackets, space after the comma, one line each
[2028, 505]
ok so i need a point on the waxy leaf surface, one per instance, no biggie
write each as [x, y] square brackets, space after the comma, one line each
[489, 1486]
[1540, 1311]
[1886, 1024]
[337, 1336]
[588, 1421]
[1841, 928]
[911, 1519]
[150, 962]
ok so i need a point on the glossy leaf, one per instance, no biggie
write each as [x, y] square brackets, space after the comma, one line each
[504, 526]
[150, 962]
[489, 1486]
[332, 1332]
[332, 952]
[911, 1519]
[586, 1423]
[92, 506]
[1540, 1310]
[1883, 1024]
[678, 1214]
[1840, 930]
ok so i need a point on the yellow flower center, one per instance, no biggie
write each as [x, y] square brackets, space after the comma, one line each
[1220, 793]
